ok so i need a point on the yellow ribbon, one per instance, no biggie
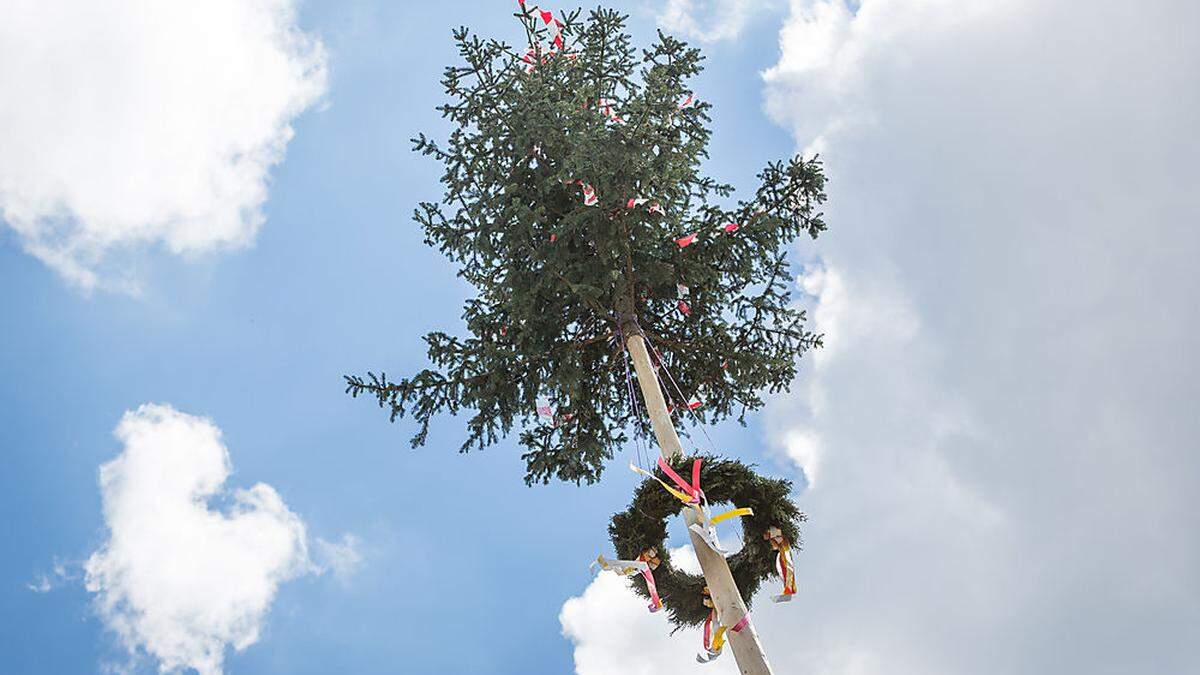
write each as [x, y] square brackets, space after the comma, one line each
[718, 640]
[733, 513]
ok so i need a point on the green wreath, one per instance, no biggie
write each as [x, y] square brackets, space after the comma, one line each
[644, 526]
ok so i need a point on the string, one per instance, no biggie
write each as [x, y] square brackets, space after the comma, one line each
[643, 456]
[663, 366]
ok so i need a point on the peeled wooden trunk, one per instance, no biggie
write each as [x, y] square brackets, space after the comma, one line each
[725, 595]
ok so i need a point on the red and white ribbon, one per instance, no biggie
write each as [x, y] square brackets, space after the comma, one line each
[589, 192]
[550, 416]
[654, 207]
[609, 110]
[691, 98]
[682, 292]
[544, 412]
[689, 239]
[554, 27]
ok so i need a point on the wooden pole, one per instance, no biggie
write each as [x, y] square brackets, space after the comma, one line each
[725, 595]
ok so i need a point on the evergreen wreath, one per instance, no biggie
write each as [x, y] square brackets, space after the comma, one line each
[643, 527]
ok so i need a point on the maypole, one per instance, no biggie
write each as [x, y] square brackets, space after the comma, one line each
[731, 610]
[575, 205]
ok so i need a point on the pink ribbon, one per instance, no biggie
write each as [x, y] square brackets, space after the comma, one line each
[737, 628]
[655, 602]
[692, 490]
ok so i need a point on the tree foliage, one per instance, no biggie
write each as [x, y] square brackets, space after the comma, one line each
[560, 283]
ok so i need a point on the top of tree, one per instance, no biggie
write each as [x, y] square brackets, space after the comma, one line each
[560, 283]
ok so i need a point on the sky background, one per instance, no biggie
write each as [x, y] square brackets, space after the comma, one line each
[208, 208]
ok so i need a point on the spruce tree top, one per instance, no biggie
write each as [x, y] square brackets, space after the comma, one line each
[560, 283]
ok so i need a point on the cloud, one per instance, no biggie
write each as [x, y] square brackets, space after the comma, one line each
[344, 558]
[177, 578]
[61, 573]
[613, 633]
[128, 125]
[707, 20]
[1001, 419]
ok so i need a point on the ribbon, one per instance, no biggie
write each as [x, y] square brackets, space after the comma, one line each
[733, 513]
[589, 193]
[547, 414]
[654, 207]
[688, 240]
[553, 25]
[713, 642]
[737, 627]
[649, 558]
[655, 601]
[609, 110]
[625, 568]
[693, 496]
[681, 496]
[783, 562]
[628, 568]
[708, 534]
[682, 292]
[687, 101]
[693, 490]
[544, 412]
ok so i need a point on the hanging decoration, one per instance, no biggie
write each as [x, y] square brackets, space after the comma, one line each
[545, 18]
[713, 641]
[609, 109]
[548, 416]
[765, 503]
[689, 239]
[783, 562]
[682, 293]
[629, 568]
[588, 193]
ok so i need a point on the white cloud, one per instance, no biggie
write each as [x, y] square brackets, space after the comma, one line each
[178, 579]
[344, 558]
[614, 633]
[709, 20]
[1002, 417]
[63, 572]
[129, 124]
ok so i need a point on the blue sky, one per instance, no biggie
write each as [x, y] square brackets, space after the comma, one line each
[996, 447]
[257, 340]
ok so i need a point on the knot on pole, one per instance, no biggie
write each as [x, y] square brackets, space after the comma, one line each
[627, 324]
